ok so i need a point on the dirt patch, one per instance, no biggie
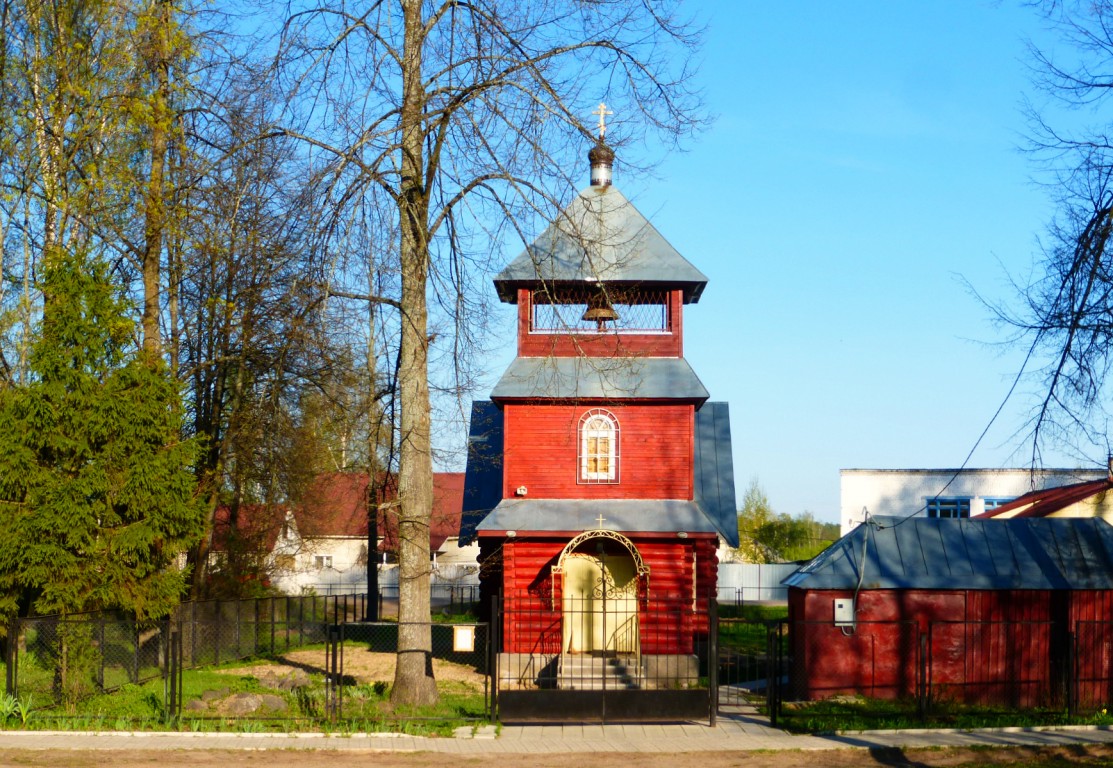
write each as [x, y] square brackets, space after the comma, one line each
[362, 665]
[1058, 757]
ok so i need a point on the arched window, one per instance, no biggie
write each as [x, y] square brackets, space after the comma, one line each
[598, 447]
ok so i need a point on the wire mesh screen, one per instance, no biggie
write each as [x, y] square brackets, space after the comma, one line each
[636, 312]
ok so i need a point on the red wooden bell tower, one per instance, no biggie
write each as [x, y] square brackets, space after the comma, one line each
[599, 477]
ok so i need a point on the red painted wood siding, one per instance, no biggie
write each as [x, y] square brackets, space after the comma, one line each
[541, 452]
[1091, 622]
[666, 622]
[669, 344]
[978, 646]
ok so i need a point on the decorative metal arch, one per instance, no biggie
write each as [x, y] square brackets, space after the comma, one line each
[640, 567]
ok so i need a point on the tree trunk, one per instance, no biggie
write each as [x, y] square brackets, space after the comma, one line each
[155, 202]
[413, 676]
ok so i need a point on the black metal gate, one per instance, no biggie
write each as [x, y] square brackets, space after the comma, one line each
[651, 659]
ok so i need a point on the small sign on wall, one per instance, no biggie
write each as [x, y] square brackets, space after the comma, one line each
[844, 613]
[463, 639]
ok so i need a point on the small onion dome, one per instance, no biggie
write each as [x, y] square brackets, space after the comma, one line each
[601, 158]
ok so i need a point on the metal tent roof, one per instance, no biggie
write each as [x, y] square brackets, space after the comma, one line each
[933, 553]
[600, 237]
[610, 378]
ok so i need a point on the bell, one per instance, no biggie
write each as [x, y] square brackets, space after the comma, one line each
[599, 310]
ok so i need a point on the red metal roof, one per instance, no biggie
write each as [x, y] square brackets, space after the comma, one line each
[257, 526]
[1050, 500]
[335, 506]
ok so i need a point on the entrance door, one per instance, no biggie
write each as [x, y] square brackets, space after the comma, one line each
[600, 604]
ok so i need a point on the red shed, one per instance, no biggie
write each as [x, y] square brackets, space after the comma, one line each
[599, 478]
[979, 610]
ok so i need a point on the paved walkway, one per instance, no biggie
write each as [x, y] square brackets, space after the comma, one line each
[734, 732]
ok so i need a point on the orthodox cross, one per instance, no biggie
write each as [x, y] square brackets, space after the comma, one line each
[602, 111]
[600, 520]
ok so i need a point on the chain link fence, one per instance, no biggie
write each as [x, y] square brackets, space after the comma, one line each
[66, 659]
[217, 631]
[360, 660]
[61, 660]
[57, 662]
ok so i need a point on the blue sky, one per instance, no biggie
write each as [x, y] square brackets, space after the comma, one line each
[864, 165]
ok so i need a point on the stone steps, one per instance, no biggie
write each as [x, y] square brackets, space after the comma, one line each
[585, 672]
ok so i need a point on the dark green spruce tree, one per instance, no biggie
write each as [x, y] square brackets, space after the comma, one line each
[97, 499]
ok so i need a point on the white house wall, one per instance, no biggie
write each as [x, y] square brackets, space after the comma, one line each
[347, 571]
[904, 492]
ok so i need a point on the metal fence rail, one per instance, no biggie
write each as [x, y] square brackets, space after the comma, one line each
[940, 667]
[607, 659]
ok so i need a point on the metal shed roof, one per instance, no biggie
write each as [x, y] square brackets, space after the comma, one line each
[600, 237]
[931, 553]
[610, 378]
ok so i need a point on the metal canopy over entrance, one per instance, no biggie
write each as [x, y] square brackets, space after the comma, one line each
[641, 570]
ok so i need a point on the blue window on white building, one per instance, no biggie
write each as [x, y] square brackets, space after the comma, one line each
[942, 506]
[994, 503]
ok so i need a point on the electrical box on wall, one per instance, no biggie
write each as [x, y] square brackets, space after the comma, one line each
[844, 613]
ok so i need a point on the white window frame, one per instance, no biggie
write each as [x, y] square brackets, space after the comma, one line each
[595, 425]
[320, 562]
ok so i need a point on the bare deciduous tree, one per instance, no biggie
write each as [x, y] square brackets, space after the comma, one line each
[1066, 313]
[443, 127]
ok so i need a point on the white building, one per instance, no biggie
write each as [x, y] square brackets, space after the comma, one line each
[942, 492]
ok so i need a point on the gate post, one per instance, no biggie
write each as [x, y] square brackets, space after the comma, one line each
[713, 658]
[12, 654]
[100, 647]
[135, 657]
[921, 669]
[1072, 674]
[170, 641]
[772, 668]
[495, 643]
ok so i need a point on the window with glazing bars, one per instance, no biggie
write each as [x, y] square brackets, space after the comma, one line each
[956, 506]
[599, 453]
